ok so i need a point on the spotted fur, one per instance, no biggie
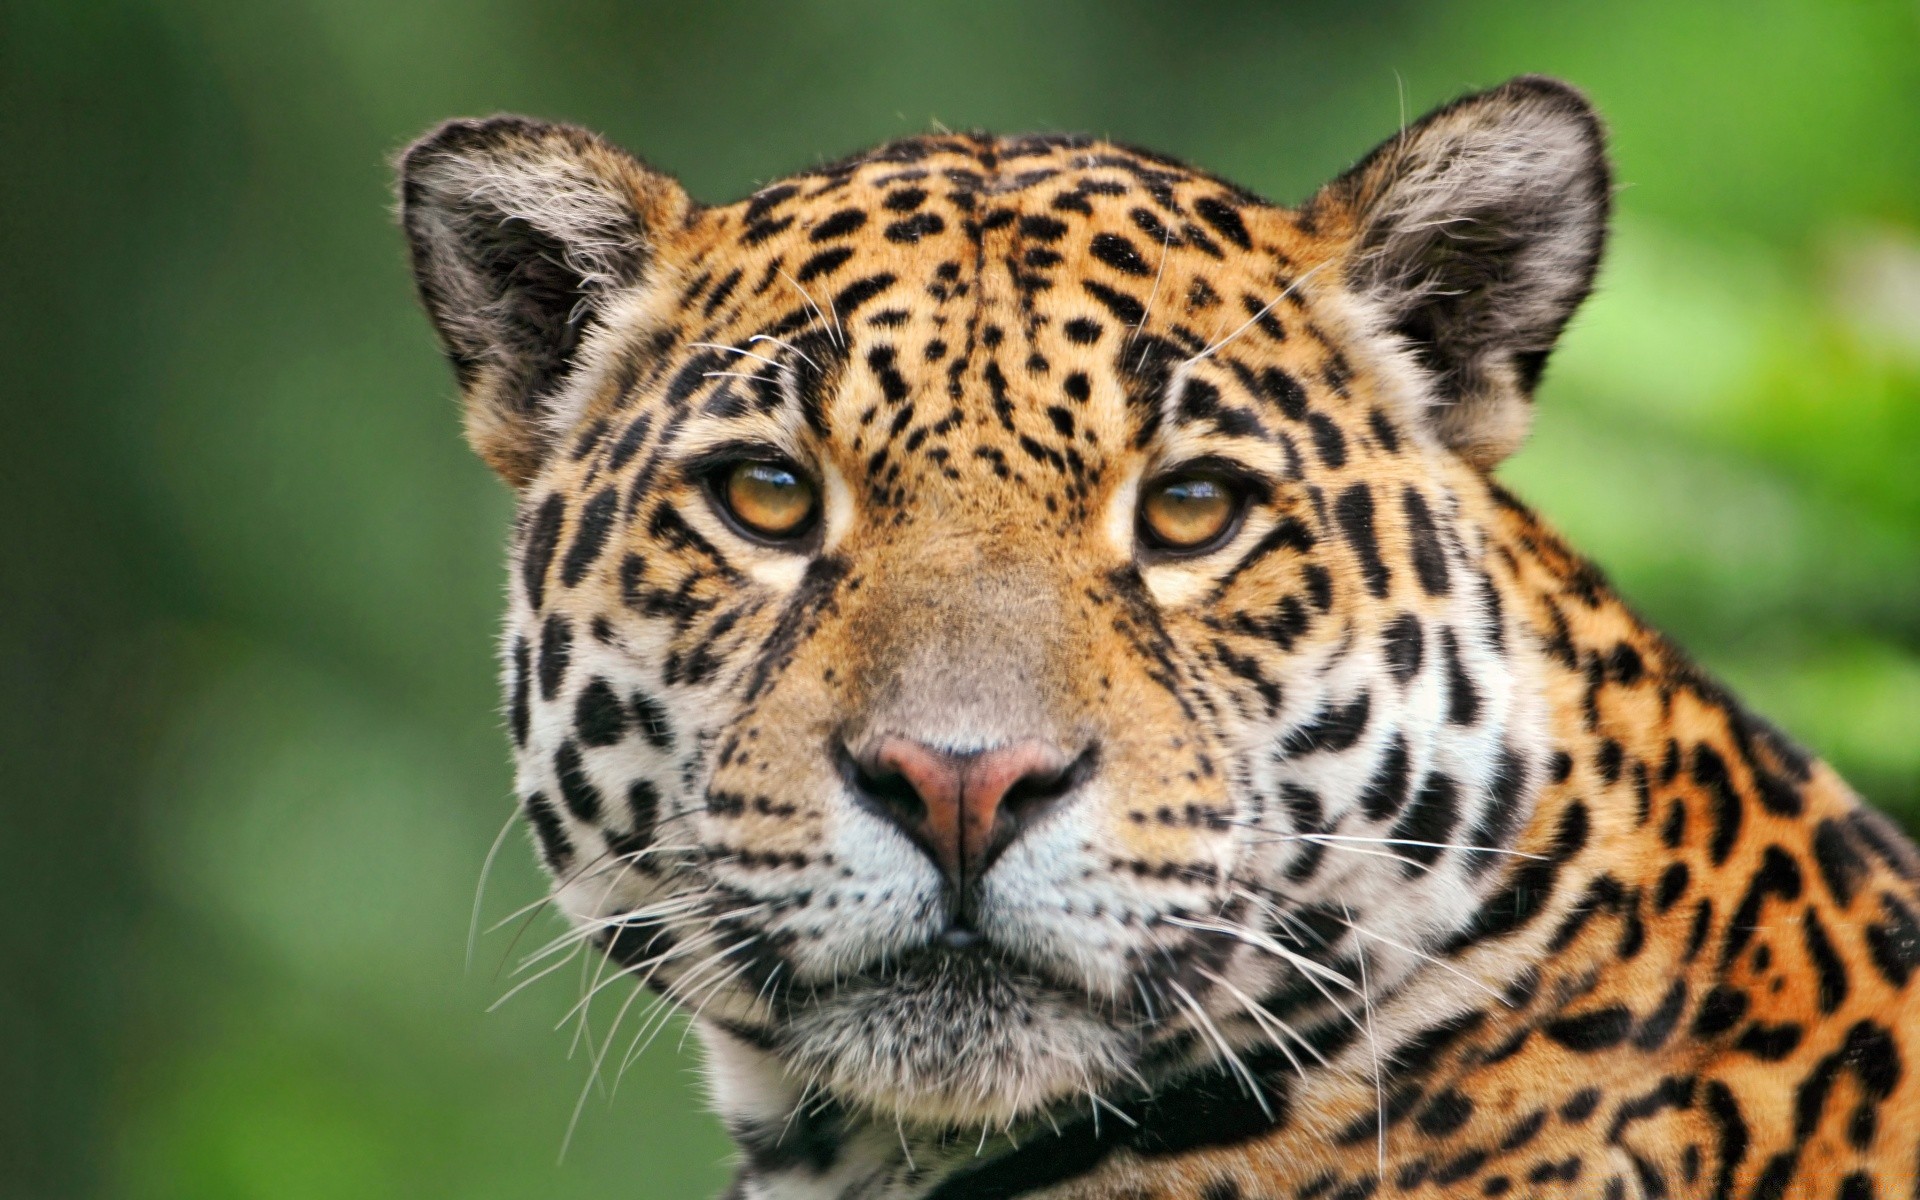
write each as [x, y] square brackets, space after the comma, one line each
[1406, 860]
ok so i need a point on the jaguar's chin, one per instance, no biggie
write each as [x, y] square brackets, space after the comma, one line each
[956, 1040]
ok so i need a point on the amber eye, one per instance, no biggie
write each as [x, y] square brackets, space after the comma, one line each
[768, 498]
[1187, 512]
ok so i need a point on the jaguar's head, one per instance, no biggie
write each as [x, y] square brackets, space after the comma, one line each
[998, 620]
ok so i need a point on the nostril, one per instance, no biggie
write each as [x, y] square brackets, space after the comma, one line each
[882, 788]
[1034, 793]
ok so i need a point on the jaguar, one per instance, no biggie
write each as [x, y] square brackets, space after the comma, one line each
[1021, 641]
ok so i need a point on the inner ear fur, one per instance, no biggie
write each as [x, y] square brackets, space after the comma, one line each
[522, 234]
[1475, 233]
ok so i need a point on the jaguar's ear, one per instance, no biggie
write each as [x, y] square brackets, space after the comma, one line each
[1475, 233]
[522, 234]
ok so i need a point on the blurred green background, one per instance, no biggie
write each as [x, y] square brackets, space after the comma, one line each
[251, 575]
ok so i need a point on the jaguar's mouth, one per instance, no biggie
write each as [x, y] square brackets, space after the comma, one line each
[956, 1036]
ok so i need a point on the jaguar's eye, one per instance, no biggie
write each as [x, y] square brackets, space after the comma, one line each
[1187, 514]
[769, 499]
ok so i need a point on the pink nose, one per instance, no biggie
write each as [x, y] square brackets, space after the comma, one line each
[964, 809]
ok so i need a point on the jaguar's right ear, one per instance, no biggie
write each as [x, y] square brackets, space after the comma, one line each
[522, 234]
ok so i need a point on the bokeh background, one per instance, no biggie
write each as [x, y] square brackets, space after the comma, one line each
[250, 574]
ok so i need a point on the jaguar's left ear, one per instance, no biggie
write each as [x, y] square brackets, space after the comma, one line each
[1474, 234]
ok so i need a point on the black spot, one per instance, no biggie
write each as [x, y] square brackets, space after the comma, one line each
[582, 798]
[543, 538]
[849, 299]
[912, 229]
[1081, 331]
[590, 537]
[1840, 864]
[1673, 885]
[1778, 876]
[1657, 1026]
[721, 291]
[556, 651]
[630, 440]
[1429, 559]
[1224, 219]
[759, 231]
[1827, 967]
[1335, 728]
[1319, 586]
[1427, 825]
[1856, 1186]
[520, 684]
[1511, 907]
[823, 263]
[1383, 431]
[1674, 828]
[1463, 700]
[1871, 1056]
[1402, 641]
[1119, 253]
[1125, 309]
[1770, 1043]
[838, 225]
[1697, 933]
[1586, 1033]
[1444, 1114]
[1624, 664]
[905, 200]
[1077, 387]
[1284, 391]
[599, 719]
[1386, 792]
[1580, 1105]
[643, 810]
[1894, 941]
[1710, 772]
[1571, 837]
[1327, 440]
[1354, 512]
[555, 848]
[1042, 228]
[1720, 1010]
[1724, 1111]
[768, 200]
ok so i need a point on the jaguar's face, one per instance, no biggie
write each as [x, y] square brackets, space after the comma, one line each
[989, 621]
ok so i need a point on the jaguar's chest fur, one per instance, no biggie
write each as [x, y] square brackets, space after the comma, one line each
[1019, 637]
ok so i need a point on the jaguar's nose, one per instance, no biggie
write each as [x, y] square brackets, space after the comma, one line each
[964, 809]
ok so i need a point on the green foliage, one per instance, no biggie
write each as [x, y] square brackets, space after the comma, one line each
[252, 574]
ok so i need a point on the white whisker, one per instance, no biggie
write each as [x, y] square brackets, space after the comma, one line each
[735, 350]
[480, 889]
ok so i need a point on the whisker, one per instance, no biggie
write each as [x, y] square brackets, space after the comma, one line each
[782, 342]
[1261, 941]
[1165, 241]
[531, 980]
[1373, 1049]
[1423, 955]
[1272, 1024]
[735, 350]
[1386, 841]
[1206, 1025]
[739, 375]
[840, 336]
[1250, 321]
[480, 889]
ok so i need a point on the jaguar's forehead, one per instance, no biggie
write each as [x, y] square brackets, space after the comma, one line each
[1032, 305]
